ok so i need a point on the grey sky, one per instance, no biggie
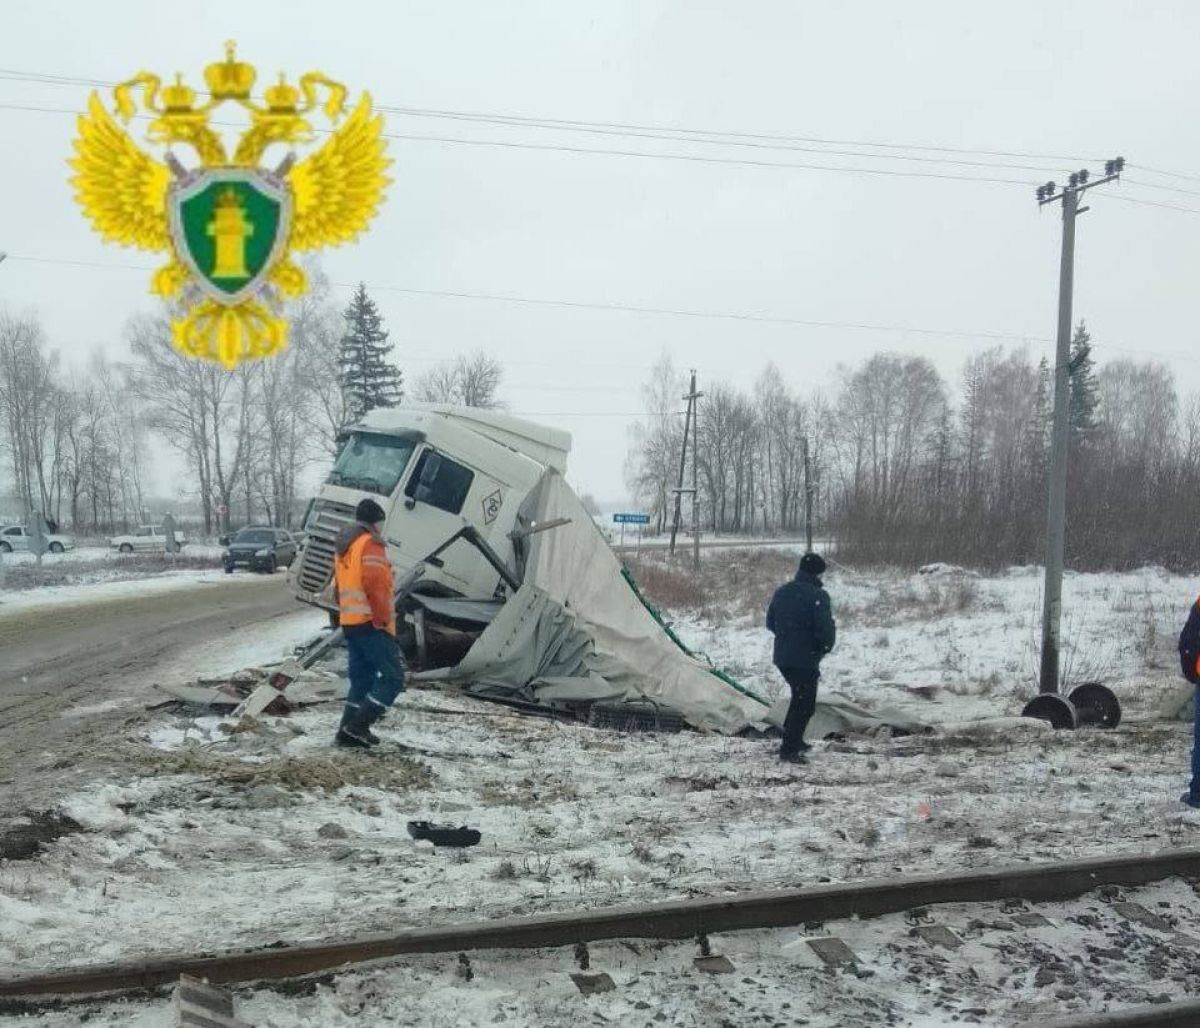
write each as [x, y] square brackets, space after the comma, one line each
[1090, 79]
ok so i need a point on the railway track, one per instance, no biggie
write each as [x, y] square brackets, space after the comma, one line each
[678, 919]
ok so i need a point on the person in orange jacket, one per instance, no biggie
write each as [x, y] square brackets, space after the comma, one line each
[366, 604]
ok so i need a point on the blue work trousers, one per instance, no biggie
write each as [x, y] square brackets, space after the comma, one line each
[376, 669]
[1195, 789]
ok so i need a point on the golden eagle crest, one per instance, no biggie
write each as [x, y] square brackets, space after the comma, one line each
[228, 224]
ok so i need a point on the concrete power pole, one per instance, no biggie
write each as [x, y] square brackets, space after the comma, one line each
[1056, 512]
[694, 404]
[689, 423]
[808, 498]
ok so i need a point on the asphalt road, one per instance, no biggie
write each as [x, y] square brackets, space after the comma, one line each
[92, 654]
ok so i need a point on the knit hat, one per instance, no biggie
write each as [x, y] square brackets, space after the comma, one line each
[368, 512]
[813, 563]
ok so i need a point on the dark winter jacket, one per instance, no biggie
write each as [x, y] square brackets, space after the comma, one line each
[1189, 645]
[801, 617]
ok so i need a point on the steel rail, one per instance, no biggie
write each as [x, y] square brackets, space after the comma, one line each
[676, 919]
[1157, 1015]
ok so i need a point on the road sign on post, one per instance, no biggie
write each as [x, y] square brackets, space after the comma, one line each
[630, 519]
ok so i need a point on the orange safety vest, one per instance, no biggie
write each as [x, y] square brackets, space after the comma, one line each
[364, 585]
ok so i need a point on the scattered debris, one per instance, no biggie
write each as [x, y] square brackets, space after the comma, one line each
[590, 984]
[329, 830]
[464, 970]
[32, 830]
[444, 835]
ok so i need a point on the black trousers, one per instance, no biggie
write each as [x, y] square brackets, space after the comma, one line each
[803, 684]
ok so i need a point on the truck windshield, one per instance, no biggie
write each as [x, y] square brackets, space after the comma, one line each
[262, 536]
[373, 463]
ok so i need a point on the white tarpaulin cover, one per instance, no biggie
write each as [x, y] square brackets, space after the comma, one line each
[577, 632]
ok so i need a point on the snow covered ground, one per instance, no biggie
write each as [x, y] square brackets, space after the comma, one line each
[208, 839]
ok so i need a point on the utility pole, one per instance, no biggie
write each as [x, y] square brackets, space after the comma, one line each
[808, 497]
[688, 425]
[1056, 512]
[694, 404]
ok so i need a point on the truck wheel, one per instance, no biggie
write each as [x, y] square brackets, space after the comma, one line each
[5, 548]
[56, 547]
[125, 548]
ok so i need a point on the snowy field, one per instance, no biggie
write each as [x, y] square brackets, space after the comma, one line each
[69, 577]
[205, 839]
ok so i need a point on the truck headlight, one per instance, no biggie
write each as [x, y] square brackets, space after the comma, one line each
[262, 553]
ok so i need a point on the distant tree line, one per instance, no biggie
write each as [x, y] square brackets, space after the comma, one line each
[78, 441]
[908, 469]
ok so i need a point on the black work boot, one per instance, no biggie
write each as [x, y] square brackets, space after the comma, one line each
[355, 732]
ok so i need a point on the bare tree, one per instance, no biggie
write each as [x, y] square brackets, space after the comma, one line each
[471, 380]
[652, 462]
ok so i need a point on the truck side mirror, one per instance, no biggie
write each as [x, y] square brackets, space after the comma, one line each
[223, 540]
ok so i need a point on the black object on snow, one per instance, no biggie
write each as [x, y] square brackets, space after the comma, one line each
[1050, 706]
[444, 835]
[1096, 705]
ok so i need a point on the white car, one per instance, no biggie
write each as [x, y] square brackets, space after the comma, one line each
[15, 539]
[146, 539]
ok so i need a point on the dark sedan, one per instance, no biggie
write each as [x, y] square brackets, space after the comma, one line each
[260, 549]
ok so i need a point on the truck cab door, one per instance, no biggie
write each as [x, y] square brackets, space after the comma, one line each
[442, 495]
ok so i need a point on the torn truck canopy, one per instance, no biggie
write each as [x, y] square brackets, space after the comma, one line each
[576, 632]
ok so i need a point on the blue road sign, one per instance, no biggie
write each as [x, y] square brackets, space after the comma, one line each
[631, 519]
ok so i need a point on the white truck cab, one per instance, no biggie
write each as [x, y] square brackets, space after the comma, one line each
[434, 469]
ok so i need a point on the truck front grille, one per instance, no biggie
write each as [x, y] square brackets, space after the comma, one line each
[325, 523]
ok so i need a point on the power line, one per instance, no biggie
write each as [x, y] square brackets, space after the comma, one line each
[618, 307]
[1168, 174]
[714, 136]
[1165, 189]
[1153, 203]
[717, 137]
[600, 151]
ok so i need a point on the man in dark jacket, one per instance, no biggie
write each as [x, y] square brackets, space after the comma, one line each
[801, 617]
[1189, 661]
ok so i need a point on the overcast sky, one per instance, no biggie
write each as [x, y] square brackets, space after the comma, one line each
[1082, 81]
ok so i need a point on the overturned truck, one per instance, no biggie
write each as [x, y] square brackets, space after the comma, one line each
[505, 585]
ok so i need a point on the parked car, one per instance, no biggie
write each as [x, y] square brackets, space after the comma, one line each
[260, 549]
[15, 539]
[146, 539]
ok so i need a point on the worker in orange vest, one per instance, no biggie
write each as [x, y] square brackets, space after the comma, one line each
[366, 603]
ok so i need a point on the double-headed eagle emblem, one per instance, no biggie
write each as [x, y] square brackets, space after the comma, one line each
[228, 224]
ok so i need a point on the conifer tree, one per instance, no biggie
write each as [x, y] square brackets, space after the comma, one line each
[369, 379]
[1084, 394]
